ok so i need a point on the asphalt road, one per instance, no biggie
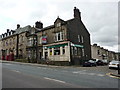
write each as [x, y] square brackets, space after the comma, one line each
[26, 76]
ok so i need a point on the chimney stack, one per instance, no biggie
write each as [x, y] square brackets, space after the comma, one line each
[39, 25]
[7, 30]
[77, 13]
[18, 26]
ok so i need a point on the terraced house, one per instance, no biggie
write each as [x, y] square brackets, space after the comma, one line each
[64, 42]
[103, 54]
[14, 42]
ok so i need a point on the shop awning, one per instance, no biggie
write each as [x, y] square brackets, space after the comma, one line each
[59, 45]
[76, 45]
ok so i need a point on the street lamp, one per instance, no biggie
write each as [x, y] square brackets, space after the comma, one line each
[119, 64]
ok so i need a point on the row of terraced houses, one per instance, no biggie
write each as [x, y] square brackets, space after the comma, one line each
[63, 43]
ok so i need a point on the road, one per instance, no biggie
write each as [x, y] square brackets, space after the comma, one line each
[27, 76]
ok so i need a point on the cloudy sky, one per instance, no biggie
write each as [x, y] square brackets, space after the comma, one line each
[100, 18]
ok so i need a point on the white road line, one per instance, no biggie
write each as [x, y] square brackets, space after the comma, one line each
[83, 72]
[41, 67]
[64, 71]
[100, 75]
[16, 71]
[54, 80]
[8, 64]
[91, 74]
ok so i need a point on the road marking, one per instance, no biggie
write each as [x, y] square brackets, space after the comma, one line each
[42, 67]
[91, 74]
[83, 72]
[64, 71]
[109, 74]
[8, 64]
[100, 75]
[16, 71]
[54, 80]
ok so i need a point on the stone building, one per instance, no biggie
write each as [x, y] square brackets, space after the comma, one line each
[0, 47]
[14, 41]
[64, 42]
[102, 54]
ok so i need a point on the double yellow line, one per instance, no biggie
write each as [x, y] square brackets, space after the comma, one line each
[109, 74]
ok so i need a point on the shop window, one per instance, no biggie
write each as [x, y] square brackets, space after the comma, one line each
[63, 48]
[75, 50]
[79, 51]
[50, 51]
[57, 51]
[72, 50]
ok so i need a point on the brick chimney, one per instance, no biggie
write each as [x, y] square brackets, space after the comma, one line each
[77, 13]
[7, 30]
[39, 25]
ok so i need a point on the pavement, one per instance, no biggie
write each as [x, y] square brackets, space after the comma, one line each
[114, 74]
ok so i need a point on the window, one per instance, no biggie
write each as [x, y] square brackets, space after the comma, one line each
[40, 40]
[10, 42]
[78, 38]
[30, 41]
[72, 50]
[58, 24]
[57, 51]
[79, 51]
[63, 48]
[59, 36]
[50, 51]
[98, 52]
[83, 52]
[82, 39]
[75, 50]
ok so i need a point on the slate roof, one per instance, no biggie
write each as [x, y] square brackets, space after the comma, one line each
[24, 29]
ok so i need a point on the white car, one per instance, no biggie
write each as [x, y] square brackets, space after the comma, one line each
[114, 64]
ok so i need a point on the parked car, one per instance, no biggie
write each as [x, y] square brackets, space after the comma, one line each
[99, 62]
[114, 64]
[89, 63]
[105, 62]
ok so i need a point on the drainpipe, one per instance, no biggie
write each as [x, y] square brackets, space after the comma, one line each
[17, 47]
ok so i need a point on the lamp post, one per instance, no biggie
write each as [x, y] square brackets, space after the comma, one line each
[119, 64]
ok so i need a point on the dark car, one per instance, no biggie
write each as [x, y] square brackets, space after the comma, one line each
[89, 63]
[99, 62]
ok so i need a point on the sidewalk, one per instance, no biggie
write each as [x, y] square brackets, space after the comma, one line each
[33, 64]
[115, 74]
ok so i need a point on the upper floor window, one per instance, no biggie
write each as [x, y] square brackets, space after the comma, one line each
[30, 41]
[82, 39]
[58, 24]
[98, 52]
[40, 40]
[59, 36]
[21, 39]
